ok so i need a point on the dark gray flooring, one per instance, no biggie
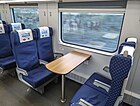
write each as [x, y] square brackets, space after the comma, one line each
[14, 93]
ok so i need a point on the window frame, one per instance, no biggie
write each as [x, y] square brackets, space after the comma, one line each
[21, 6]
[82, 47]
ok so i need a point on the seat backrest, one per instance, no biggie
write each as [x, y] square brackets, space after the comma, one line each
[119, 69]
[24, 47]
[5, 46]
[44, 43]
[16, 26]
[131, 39]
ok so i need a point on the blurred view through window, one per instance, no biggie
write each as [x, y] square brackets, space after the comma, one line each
[93, 30]
[27, 16]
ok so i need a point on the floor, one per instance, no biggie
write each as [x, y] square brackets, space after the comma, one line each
[14, 93]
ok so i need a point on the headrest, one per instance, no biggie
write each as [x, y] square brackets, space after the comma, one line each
[132, 44]
[2, 30]
[16, 26]
[131, 40]
[25, 35]
[127, 49]
[44, 32]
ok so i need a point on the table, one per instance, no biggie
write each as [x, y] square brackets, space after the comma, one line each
[66, 64]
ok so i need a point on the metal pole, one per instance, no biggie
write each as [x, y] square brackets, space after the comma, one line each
[63, 99]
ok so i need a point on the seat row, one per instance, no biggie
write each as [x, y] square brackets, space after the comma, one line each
[101, 91]
[7, 60]
[30, 48]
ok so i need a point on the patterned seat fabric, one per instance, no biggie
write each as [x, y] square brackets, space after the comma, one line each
[97, 76]
[119, 69]
[25, 51]
[44, 43]
[89, 94]
[7, 60]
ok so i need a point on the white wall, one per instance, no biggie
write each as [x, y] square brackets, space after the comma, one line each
[132, 28]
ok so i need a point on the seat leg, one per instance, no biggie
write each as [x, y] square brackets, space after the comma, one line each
[63, 99]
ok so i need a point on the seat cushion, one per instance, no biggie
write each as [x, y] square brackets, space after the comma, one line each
[38, 76]
[98, 77]
[91, 95]
[7, 62]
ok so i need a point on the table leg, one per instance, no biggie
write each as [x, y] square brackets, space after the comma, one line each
[63, 99]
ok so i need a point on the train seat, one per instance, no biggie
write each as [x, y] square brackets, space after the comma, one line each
[87, 96]
[44, 44]
[96, 81]
[7, 59]
[29, 70]
[112, 89]
[119, 69]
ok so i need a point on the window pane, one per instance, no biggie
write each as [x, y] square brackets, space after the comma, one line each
[94, 30]
[27, 16]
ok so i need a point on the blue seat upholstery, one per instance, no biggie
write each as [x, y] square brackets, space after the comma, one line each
[25, 52]
[119, 69]
[97, 76]
[38, 76]
[7, 60]
[89, 94]
[44, 43]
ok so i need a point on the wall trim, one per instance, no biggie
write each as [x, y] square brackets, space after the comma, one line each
[132, 94]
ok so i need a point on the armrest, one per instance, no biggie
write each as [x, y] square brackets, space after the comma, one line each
[57, 55]
[22, 71]
[106, 69]
[102, 85]
[43, 62]
[83, 102]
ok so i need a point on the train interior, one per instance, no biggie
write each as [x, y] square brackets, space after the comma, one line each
[69, 52]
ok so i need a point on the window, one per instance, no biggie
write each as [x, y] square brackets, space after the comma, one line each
[27, 16]
[92, 30]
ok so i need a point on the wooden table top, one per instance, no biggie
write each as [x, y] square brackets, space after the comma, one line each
[67, 63]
